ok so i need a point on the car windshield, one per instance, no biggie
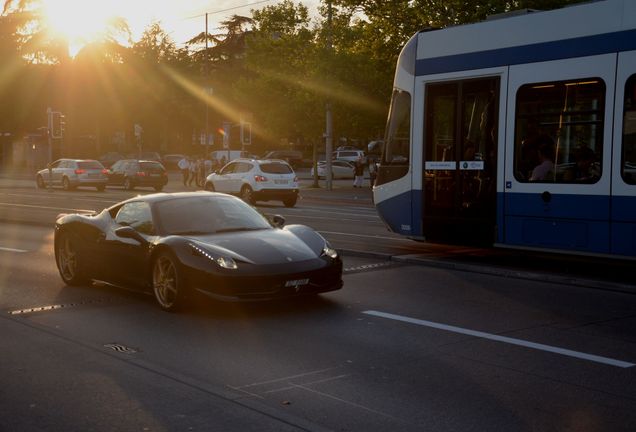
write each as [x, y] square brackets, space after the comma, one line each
[276, 168]
[151, 166]
[207, 215]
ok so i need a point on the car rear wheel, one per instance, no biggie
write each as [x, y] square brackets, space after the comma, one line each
[167, 283]
[128, 184]
[290, 202]
[68, 261]
[158, 188]
[66, 184]
[209, 186]
[40, 182]
[247, 195]
[101, 188]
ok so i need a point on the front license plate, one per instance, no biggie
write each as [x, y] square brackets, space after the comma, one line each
[297, 282]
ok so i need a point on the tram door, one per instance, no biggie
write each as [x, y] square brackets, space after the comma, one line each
[460, 164]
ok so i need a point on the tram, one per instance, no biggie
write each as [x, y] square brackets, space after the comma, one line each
[518, 131]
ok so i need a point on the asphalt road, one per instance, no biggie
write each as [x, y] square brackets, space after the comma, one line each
[474, 339]
[400, 347]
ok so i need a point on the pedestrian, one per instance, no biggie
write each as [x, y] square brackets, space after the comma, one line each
[193, 171]
[184, 166]
[373, 172]
[359, 173]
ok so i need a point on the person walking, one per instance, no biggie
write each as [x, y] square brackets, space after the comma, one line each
[359, 173]
[193, 171]
[184, 166]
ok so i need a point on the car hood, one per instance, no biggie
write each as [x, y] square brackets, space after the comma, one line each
[270, 246]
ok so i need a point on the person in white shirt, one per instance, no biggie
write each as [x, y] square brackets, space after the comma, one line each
[184, 166]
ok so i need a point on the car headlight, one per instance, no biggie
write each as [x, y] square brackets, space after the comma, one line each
[330, 252]
[222, 261]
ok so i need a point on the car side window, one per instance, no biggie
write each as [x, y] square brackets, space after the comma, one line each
[229, 169]
[243, 167]
[136, 215]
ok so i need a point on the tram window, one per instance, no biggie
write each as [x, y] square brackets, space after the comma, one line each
[559, 131]
[397, 146]
[629, 132]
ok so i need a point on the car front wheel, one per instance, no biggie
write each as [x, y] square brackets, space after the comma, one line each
[209, 186]
[40, 182]
[290, 202]
[68, 261]
[247, 195]
[167, 283]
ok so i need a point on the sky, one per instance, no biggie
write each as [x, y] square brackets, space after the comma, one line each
[185, 19]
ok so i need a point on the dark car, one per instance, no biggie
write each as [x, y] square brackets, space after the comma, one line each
[181, 243]
[171, 161]
[132, 173]
[292, 157]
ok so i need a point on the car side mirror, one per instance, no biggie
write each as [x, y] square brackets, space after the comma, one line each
[278, 221]
[129, 232]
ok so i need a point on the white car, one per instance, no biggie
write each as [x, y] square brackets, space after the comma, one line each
[72, 173]
[349, 155]
[339, 169]
[256, 180]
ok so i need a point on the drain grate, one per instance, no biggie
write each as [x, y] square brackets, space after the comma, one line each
[120, 348]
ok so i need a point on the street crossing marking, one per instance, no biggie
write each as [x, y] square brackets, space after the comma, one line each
[6, 249]
[512, 341]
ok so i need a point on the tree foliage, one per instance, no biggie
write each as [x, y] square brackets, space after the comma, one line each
[277, 69]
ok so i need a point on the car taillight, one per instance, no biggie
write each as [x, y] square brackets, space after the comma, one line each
[260, 178]
[141, 174]
[105, 171]
[80, 171]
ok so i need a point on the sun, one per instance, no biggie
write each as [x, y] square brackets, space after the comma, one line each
[79, 21]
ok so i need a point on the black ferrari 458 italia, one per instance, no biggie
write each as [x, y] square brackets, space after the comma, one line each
[173, 244]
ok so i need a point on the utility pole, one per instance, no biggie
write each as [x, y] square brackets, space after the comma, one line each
[329, 119]
[207, 93]
[49, 132]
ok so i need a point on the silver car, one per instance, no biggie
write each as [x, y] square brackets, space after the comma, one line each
[71, 173]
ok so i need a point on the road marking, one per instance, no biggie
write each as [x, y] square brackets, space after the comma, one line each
[367, 236]
[6, 249]
[47, 207]
[513, 341]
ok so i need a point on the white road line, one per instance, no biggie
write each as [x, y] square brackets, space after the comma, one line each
[47, 207]
[513, 341]
[367, 236]
[6, 249]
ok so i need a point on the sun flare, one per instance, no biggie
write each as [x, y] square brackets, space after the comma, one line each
[79, 21]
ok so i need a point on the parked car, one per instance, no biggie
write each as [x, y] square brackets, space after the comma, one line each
[171, 161]
[256, 180]
[132, 173]
[349, 155]
[339, 169]
[175, 245]
[292, 157]
[72, 173]
[108, 159]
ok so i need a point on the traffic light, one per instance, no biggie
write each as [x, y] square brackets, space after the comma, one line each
[57, 124]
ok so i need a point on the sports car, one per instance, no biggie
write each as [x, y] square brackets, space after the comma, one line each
[174, 245]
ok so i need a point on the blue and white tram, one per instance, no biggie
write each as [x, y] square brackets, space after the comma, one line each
[517, 132]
